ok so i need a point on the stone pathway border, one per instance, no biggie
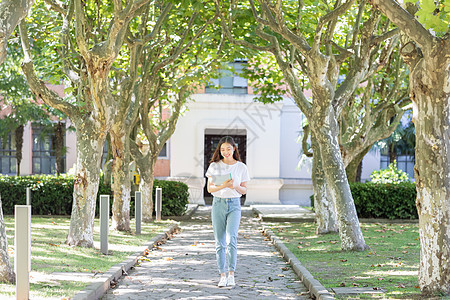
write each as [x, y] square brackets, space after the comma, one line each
[315, 287]
[97, 289]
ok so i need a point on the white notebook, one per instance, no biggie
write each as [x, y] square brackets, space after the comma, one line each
[220, 179]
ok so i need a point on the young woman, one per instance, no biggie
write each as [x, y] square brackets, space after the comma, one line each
[226, 207]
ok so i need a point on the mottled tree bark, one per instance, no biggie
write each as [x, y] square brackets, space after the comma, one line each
[428, 57]
[18, 133]
[120, 169]
[6, 272]
[430, 91]
[11, 13]
[90, 143]
[325, 129]
[146, 168]
[59, 147]
[353, 169]
[324, 208]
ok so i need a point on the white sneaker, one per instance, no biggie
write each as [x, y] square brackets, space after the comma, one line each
[222, 281]
[230, 281]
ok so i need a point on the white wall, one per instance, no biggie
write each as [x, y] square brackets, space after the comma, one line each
[297, 185]
[371, 162]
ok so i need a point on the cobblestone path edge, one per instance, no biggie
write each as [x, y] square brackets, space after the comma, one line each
[316, 289]
[98, 288]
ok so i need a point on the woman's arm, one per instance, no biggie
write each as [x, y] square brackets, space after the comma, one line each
[212, 188]
[242, 189]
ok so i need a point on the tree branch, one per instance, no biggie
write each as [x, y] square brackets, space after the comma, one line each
[56, 7]
[80, 23]
[306, 132]
[406, 22]
[37, 86]
[386, 35]
[11, 13]
[157, 28]
[226, 31]
[68, 68]
[296, 39]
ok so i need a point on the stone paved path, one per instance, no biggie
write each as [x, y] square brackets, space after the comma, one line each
[185, 267]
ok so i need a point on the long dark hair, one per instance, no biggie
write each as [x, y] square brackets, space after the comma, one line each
[218, 156]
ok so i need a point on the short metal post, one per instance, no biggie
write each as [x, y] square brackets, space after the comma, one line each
[104, 223]
[22, 243]
[158, 203]
[138, 211]
[28, 196]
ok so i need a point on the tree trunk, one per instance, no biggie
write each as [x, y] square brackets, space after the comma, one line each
[430, 92]
[392, 153]
[146, 188]
[355, 166]
[325, 129]
[89, 152]
[325, 211]
[59, 147]
[19, 143]
[6, 272]
[11, 12]
[121, 186]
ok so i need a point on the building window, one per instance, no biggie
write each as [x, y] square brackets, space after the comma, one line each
[8, 155]
[404, 162]
[164, 152]
[229, 83]
[44, 159]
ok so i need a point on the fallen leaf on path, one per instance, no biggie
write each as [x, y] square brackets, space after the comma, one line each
[168, 258]
[280, 275]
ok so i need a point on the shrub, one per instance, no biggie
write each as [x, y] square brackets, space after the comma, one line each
[53, 195]
[390, 175]
[175, 197]
[391, 201]
[387, 201]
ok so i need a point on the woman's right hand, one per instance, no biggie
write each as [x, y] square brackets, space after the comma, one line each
[228, 184]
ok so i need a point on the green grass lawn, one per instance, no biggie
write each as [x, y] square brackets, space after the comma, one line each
[50, 254]
[392, 262]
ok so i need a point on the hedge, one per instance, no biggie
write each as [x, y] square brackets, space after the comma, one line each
[53, 195]
[387, 201]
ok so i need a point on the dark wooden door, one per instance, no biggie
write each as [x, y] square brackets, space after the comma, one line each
[211, 142]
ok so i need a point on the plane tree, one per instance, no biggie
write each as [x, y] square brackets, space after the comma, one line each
[426, 50]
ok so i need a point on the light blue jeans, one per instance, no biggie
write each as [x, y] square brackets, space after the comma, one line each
[226, 216]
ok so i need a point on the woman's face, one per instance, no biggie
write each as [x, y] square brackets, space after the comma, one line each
[226, 150]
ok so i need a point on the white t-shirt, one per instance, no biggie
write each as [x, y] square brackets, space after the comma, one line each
[239, 174]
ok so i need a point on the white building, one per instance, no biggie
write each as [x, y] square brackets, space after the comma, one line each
[267, 135]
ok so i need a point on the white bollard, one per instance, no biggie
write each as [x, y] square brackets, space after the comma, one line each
[104, 223]
[28, 196]
[138, 211]
[22, 244]
[158, 203]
